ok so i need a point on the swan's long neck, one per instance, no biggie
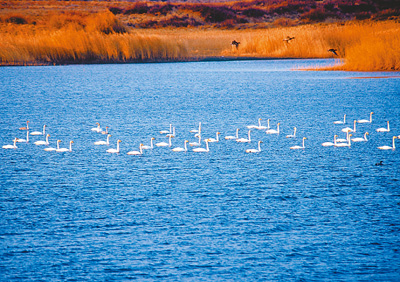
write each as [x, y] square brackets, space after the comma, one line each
[169, 143]
[27, 136]
[394, 137]
[58, 145]
[334, 140]
[117, 147]
[354, 126]
[268, 124]
[249, 135]
[185, 146]
[294, 133]
[303, 142]
[217, 137]
[259, 122]
[151, 143]
[140, 149]
[370, 117]
[344, 119]
[15, 142]
[365, 136]
[108, 139]
[209, 149]
[347, 135]
[44, 129]
[388, 128]
[259, 146]
[237, 133]
[70, 146]
[278, 128]
[47, 139]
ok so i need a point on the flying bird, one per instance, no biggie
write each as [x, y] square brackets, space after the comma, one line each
[333, 51]
[235, 43]
[288, 39]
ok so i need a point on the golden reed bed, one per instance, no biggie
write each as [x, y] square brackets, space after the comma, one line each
[102, 38]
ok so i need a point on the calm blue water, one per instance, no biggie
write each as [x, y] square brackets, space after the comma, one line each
[318, 214]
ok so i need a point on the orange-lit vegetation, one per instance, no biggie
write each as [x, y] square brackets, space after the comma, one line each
[365, 33]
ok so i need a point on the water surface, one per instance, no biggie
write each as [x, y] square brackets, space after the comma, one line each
[318, 214]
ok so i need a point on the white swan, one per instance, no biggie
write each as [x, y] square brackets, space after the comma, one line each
[233, 137]
[255, 150]
[97, 129]
[164, 144]
[20, 140]
[299, 147]
[327, 144]
[254, 126]
[145, 147]
[196, 130]
[348, 129]
[65, 149]
[103, 142]
[180, 149]
[112, 151]
[106, 131]
[49, 149]
[244, 140]
[388, 147]
[292, 135]
[11, 146]
[25, 127]
[43, 142]
[273, 131]
[173, 133]
[200, 150]
[339, 140]
[382, 129]
[341, 121]
[348, 144]
[167, 131]
[212, 140]
[196, 143]
[136, 153]
[365, 120]
[38, 132]
[359, 139]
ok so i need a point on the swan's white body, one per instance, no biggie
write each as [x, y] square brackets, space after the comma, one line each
[97, 129]
[145, 147]
[365, 120]
[180, 149]
[38, 132]
[43, 142]
[233, 137]
[273, 131]
[164, 144]
[65, 149]
[382, 129]
[348, 144]
[292, 135]
[196, 143]
[136, 153]
[25, 127]
[103, 142]
[114, 151]
[348, 129]
[255, 150]
[196, 130]
[49, 149]
[213, 140]
[341, 121]
[11, 146]
[244, 140]
[327, 144]
[359, 139]
[388, 147]
[200, 150]
[259, 126]
[299, 147]
[167, 131]
[20, 140]
[339, 140]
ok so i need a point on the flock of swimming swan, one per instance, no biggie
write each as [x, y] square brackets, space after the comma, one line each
[337, 142]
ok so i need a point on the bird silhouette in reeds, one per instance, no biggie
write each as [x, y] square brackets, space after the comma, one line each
[235, 43]
[333, 51]
[288, 39]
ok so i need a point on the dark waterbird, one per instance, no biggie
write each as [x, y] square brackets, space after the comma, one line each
[235, 43]
[333, 51]
[288, 39]
[380, 163]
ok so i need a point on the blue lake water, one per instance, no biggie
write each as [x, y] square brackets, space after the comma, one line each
[314, 214]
